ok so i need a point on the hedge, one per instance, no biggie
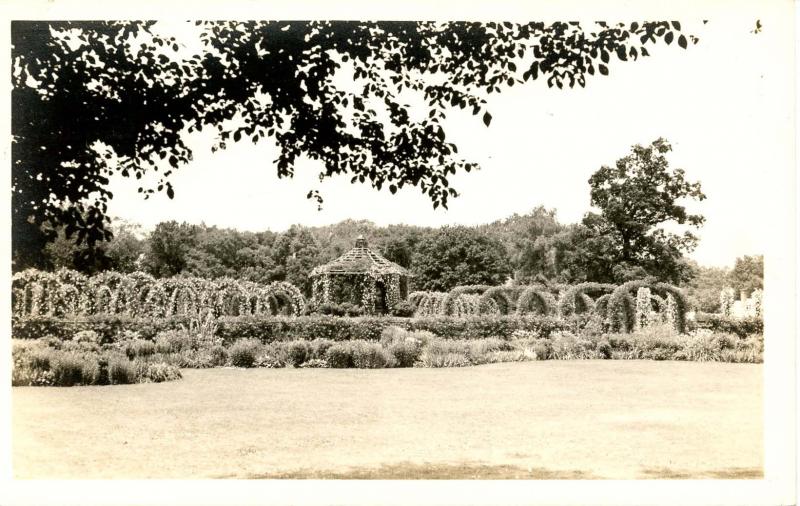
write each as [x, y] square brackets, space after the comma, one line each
[108, 326]
[370, 328]
[742, 327]
[268, 329]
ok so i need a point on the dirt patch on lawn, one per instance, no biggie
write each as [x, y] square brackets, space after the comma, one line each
[412, 471]
[732, 473]
[484, 471]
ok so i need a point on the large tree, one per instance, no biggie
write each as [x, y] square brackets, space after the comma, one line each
[637, 197]
[91, 99]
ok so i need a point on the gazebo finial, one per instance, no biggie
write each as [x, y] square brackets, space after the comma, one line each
[361, 242]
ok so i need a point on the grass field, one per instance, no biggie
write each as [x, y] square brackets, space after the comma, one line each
[543, 420]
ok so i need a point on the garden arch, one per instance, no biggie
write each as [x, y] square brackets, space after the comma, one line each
[535, 298]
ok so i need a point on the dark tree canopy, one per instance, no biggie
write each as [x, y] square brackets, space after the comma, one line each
[91, 99]
[703, 291]
[453, 256]
[748, 274]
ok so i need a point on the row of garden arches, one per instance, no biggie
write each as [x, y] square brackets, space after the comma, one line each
[615, 304]
[65, 292]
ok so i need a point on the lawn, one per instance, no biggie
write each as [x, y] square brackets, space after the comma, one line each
[544, 420]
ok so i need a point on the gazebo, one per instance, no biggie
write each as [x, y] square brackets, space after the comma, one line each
[361, 277]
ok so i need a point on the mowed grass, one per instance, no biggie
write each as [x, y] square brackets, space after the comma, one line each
[533, 420]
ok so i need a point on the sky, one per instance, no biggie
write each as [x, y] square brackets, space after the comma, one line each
[717, 103]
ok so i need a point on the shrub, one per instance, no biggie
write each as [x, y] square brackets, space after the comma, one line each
[699, 346]
[318, 347]
[586, 324]
[87, 336]
[740, 357]
[405, 353]
[404, 346]
[314, 363]
[543, 349]
[210, 356]
[158, 372]
[393, 334]
[403, 309]
[244, 353]
[660, 354]
[726, 341]
[343, 309]
[442, 359]
[506, 356]
[657, 342]
[137, 348]
[750, 350]
[297, 352]
[604, 349]
[478, 348]
[370, 356]
[567, 346]
[78, 346]
[273, 355]
[52, 341]
[127, 335]
[219, 355]
[174, 341]
[444, 353]
[121, 371]
[339, 356]
[32, 365]
[73, 369]
[41, 358]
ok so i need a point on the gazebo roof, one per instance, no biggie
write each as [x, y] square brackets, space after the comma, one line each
[360, 260]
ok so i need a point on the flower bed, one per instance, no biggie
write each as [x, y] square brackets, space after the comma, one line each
[86, 360]
[52, 362]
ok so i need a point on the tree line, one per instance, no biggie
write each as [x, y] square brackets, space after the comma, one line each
[526, 248]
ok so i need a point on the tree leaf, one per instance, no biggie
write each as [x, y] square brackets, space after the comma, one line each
[487, 119]
[682, 41]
